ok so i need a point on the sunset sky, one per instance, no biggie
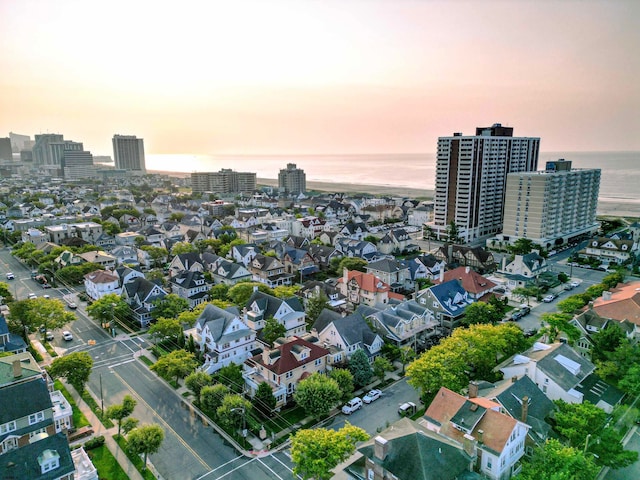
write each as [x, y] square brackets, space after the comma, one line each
[306, 76]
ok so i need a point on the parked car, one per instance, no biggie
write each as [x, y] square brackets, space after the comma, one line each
[530, 332]
[72, 305]
[568, 286]
[525, 310]
[32, 296]
[408, 408]
[372, 396]
[46, 297]
[49, 336]
[575, 284]
[46, 285]
[549, 298]
[67, 335]
[352, 405]
[10, 276]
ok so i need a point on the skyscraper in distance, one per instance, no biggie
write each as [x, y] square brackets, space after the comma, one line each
[471, 173]
[292, 180]
[128, 153]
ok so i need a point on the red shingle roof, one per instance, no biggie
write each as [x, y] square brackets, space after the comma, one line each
[288, 361]
[624, 303]
[471, 281]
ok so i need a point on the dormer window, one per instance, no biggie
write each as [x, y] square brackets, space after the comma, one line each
[48, 460]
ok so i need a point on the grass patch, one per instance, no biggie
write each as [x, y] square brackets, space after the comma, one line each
[293, 415]
[186, 394]
[50, 349]
[93, 405]
[135, 459]
[146, 360]
[79, 420]
[106, 464]
[35, 353]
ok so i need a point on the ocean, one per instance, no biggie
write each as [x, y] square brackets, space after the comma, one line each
[619, 181]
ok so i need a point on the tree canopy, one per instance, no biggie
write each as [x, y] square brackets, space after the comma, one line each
[555, 461]
[344, 379]
[272, 330]
[315, 452]
[75, 367]
[145, 440]
[317, 394]
[166, 329]
[109, 307]
[315, 305]
[482, 313]
[169, 306]
[360, 368]
[30, 315]
[241, 292]
[121, 411]
[178, 364]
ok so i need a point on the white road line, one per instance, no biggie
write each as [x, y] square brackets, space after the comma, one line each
[282, 463]
[231, 471]
[270, 469]
[223, 465]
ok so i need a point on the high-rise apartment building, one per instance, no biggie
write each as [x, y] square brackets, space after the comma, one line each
[19, 142]
[292, 180]
[6, 153]
[42, 154]
[553, 206]
[57, 151]
[471, 173]
[224, 181]
[77, 164]
[128, 153]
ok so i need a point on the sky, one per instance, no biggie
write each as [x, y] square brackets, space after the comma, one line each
[306, 76]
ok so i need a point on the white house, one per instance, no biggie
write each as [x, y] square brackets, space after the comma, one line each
[100, 283]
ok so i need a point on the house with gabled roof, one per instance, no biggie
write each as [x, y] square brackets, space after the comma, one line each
[364, 288]
[477, 286]
[99, 257]
[354, 230]
[10, 342]
[523, 269]
[406, 450]
[448, 302]
[313, 288]
[99, 283]
[404, 323]
[230, 273]
[126, 274]
[299, 261]
[223, 337]
[192, 286]
[322, 255]
[186, 262]
[397, 240]
[125, 254]
[500, 438]
[347, 334]
[245, 253]
[283, 366]
[356, 249]
[432, 265]
[289, 312]
[269, 270]
[562, 374]
[392, 272]
[140, 294]
[475, 257]
[608, 251]
[621, 304]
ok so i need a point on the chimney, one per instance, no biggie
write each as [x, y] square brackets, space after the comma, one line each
[469, 444]
[466, 270]
[381, 448]
[514, 379]
[345, 276]
[449, 252]
[442, 275]
[606, 295]
[17, 369]
[504, 263]
[525, 408]
[480, 434]
[473, 389]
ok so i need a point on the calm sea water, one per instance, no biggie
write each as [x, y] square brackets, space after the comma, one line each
[620, 179]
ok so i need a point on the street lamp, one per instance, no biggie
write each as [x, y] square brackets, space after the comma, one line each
[244, 420]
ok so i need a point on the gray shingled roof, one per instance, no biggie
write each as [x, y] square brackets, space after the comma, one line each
[566, 379]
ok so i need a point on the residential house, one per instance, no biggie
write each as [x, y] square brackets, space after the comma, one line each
[30, 445]
[245, 253]
[354, 231]
[192, 286]
[447, 301]
[407, 450]
[431, 264]
[125, 254]
[297, 260]
[126, 274]
[322, 255]
[140, 294]
[562, 374]
[100, 283]
[269, 270]
[477, 286]
[313, 288]
[99, 257]
[476, 257]
[105, 241]
[35, 236]
[397, 241]
[288, 312]
[283, 366]
[229, 272]
[310, 227]
[223, 337]
[500, 438]
[608, 251]
[364, 288]
[621, 304]
[347, 334]
[10, 342]
[186, 262]
[396, 274]
[127, 238]
[523, 270]
[68, 258]
[356, 249]
[405, 323]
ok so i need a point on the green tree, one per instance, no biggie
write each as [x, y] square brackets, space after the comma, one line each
[75, 367]
[481, 313]
[344, 379]
[351, 264]
[605, 341]
[609, 451]
[233, 411]
[613, 279]
[183, 247]
[630, 381]
[5, 293]
[241, 292]
[360, 368]
[145, 440]
[372, 239]
[264, 400]
[178, 364]
[219, 291]
[211, 396]
[315, 305]
[158, 255]
[575, 421]
[129, 424]
[317, 394]
[108, 308]
[525, 293]
[556, 323]
[196, 381]
[554, 461]
[121, 411]
[315, 452]
[272, 331]
[30, 315]
[166, 329]
[381, 366]
[563, 277]
[571, 304]
[284, 291]
[522, 246]
[428, 235]
[452, 232]
[169, 306]
[231, 376]
[406, 355]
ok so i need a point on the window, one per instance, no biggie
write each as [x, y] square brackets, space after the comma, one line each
[36, 432]
[8, 427]
[36, 417]
[318, 362]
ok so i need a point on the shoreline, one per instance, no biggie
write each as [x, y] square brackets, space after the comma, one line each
[605, 207]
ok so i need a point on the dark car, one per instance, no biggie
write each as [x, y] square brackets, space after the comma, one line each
[515, 316]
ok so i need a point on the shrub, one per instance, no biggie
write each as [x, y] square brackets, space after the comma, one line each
[94, 443]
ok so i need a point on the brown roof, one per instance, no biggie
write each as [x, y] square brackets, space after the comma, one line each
[624, 303]
[366, 281]
[288, 361]
[496, 426]
[471, 280]
[100, 276]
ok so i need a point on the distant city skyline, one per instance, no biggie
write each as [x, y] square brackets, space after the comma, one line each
[304, 77]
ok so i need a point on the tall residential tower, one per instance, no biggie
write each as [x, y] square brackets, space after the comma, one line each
[128, 153]
[471, 173]
[292, 180]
